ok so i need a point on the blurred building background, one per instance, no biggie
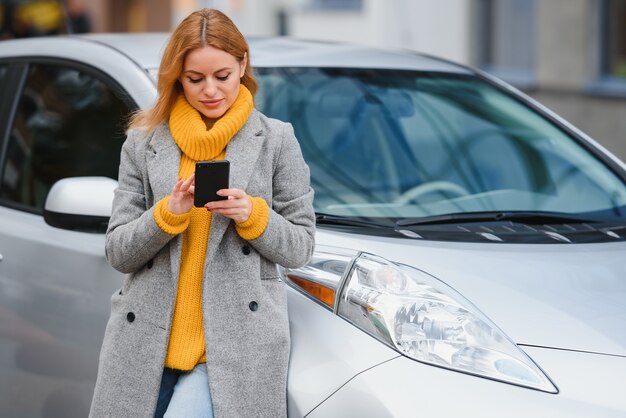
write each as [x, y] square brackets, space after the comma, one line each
[568, 54]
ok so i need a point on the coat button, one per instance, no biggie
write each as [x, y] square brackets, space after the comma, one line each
[245, 249]
[150, 263]
[130, 317]
[253, 306]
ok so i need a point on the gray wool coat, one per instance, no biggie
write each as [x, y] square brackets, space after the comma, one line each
[247, 350]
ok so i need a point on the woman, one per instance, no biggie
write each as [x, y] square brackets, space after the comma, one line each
[200, 326]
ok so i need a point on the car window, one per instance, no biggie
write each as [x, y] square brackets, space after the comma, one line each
[68, 123]
[396, 144]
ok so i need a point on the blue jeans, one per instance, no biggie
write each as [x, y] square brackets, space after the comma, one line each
[184, 394]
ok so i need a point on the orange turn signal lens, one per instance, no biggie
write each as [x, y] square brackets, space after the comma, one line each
[318, 291]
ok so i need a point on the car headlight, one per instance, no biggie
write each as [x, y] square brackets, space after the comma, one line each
[416, 314]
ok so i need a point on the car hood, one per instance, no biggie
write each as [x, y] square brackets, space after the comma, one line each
[566, 296]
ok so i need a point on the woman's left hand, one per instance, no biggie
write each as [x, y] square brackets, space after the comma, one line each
[237, 207]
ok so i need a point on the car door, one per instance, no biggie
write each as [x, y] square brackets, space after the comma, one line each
[59, 119]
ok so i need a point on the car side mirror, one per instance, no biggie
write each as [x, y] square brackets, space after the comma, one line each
[80, 204]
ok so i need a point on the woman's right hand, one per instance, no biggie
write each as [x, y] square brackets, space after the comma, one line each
[181, 198]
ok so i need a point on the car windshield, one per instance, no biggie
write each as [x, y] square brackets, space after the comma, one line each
[408, 144]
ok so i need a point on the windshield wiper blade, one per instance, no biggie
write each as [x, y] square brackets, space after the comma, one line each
[325, 219]
[530, 217]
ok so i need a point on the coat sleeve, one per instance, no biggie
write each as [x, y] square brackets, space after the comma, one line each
[133, 236]
[289, 237]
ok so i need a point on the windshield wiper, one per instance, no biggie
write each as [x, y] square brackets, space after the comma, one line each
[529, 217]
[325, 219]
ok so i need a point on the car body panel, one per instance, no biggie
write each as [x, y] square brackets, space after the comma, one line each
[55, 287]
[378, 393]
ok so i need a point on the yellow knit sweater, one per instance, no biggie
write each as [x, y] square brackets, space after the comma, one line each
[186, 345]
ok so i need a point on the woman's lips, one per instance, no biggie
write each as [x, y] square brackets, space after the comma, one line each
[211, 103]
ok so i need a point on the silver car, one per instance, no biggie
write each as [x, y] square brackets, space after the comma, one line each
[471, 244]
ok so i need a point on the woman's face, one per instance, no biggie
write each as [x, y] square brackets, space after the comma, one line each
[210, 80]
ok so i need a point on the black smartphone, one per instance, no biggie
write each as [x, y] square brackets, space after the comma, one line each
[211, 176]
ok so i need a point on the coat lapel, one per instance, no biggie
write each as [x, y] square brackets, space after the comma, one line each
[242, 152]
[163, 165]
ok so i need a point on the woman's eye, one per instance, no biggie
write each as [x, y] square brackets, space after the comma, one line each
[195, 80]
[223, 78]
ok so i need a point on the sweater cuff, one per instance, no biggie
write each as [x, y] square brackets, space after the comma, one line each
[255, 225]
[170, 222]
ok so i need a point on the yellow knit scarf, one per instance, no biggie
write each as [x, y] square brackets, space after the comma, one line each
[191, 134]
